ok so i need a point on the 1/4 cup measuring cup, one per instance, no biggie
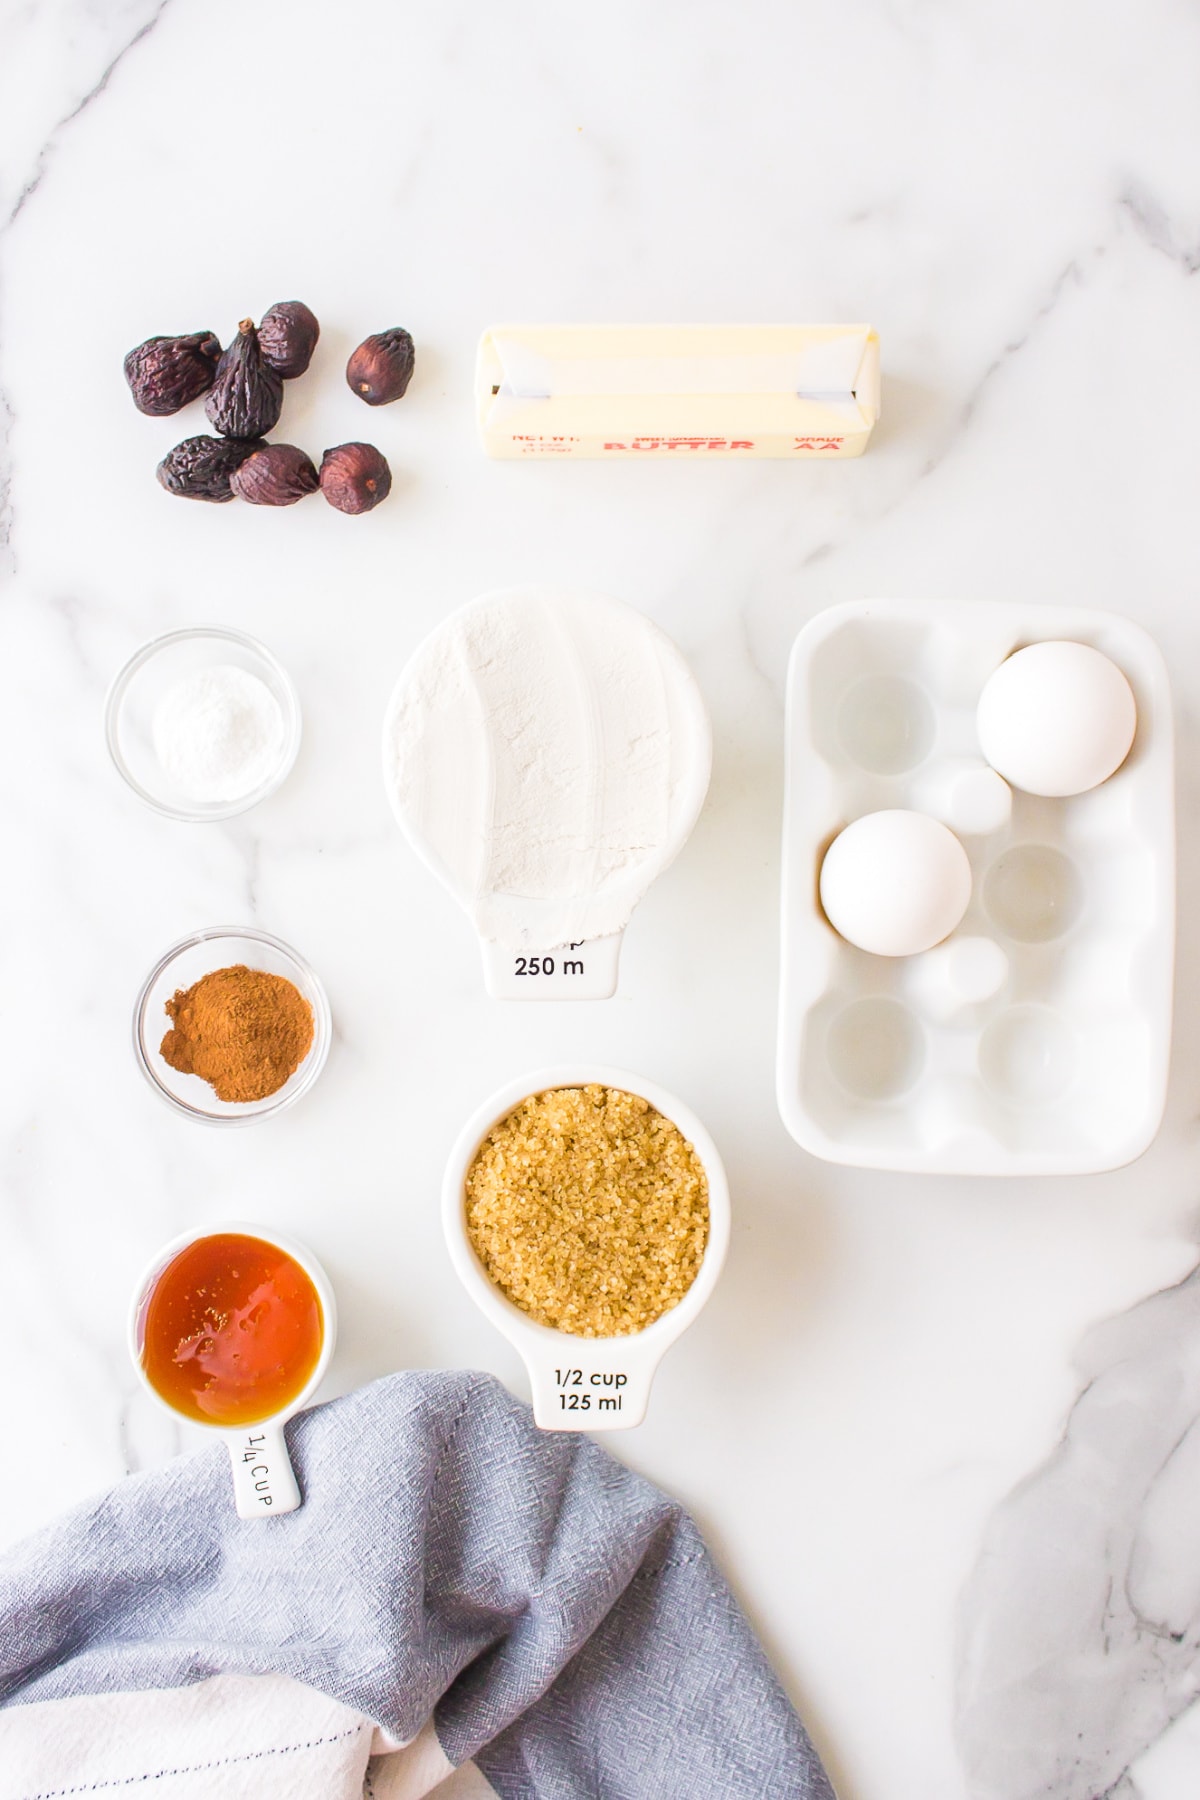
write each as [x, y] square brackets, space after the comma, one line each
[582, 1383]
[214, 1298]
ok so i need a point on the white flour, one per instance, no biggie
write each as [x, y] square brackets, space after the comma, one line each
[219, 734]
[548, 754]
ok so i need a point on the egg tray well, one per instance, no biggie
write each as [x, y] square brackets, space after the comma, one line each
[1064, 1068]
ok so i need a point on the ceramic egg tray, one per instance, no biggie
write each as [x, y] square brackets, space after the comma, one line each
[1056, 1061]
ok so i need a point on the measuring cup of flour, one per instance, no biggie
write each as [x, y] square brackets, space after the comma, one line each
[582, 1383]
[233, 1329]
[546, 754]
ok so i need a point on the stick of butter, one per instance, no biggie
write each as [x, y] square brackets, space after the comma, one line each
[677, 390]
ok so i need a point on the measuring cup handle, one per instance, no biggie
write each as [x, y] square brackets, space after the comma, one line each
[583, 971]
[263, 1481]
[588, 1391]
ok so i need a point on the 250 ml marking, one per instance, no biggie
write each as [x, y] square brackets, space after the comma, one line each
[572, 1401]
[548, 965]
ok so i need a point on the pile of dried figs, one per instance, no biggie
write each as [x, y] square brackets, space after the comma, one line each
[244, 388]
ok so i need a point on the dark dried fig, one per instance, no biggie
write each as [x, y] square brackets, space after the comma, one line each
[167, 373]
[288, 336]
[355, 477]
[246, 398]
[381, 368]
[200, 467]
[276, 475]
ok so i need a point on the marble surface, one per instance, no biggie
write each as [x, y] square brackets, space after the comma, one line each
[942, 1433]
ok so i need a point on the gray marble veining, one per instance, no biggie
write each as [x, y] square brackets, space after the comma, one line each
[955, 1499]
[1081, 1623]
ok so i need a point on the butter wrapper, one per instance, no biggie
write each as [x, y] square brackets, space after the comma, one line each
[677, 390]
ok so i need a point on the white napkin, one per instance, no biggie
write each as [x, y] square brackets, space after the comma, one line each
[221, 1739]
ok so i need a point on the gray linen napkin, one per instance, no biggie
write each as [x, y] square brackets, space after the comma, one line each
[559, 1617]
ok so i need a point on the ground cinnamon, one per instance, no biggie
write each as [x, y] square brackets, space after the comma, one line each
[242, 1030]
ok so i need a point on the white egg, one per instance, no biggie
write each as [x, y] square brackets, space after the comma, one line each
[1057, 719]
[895, 883]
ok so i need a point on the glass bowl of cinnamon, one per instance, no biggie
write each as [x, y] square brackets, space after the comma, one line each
[231, 1025]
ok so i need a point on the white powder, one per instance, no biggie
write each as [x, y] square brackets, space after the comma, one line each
[219, 734]
[547, 753]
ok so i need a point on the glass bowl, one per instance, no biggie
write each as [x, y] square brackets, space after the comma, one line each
[135, 696]
[183, 965]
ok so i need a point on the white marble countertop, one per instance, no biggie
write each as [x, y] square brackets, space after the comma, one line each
[974, 1582]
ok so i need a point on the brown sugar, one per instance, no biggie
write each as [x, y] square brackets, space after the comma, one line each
[589, 1210]
[242, 1030]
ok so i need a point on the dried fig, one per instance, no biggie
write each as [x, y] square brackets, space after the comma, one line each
[355, 477]
[276, 475]
[200, 467]
[166, 373]
[246, 398]
[287, 337]
[381, 368]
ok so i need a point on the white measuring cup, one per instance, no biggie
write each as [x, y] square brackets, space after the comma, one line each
[580, 1383]
[566, 688]
[264, 1483]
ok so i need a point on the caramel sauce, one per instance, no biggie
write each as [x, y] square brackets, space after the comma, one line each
[231, 1330]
